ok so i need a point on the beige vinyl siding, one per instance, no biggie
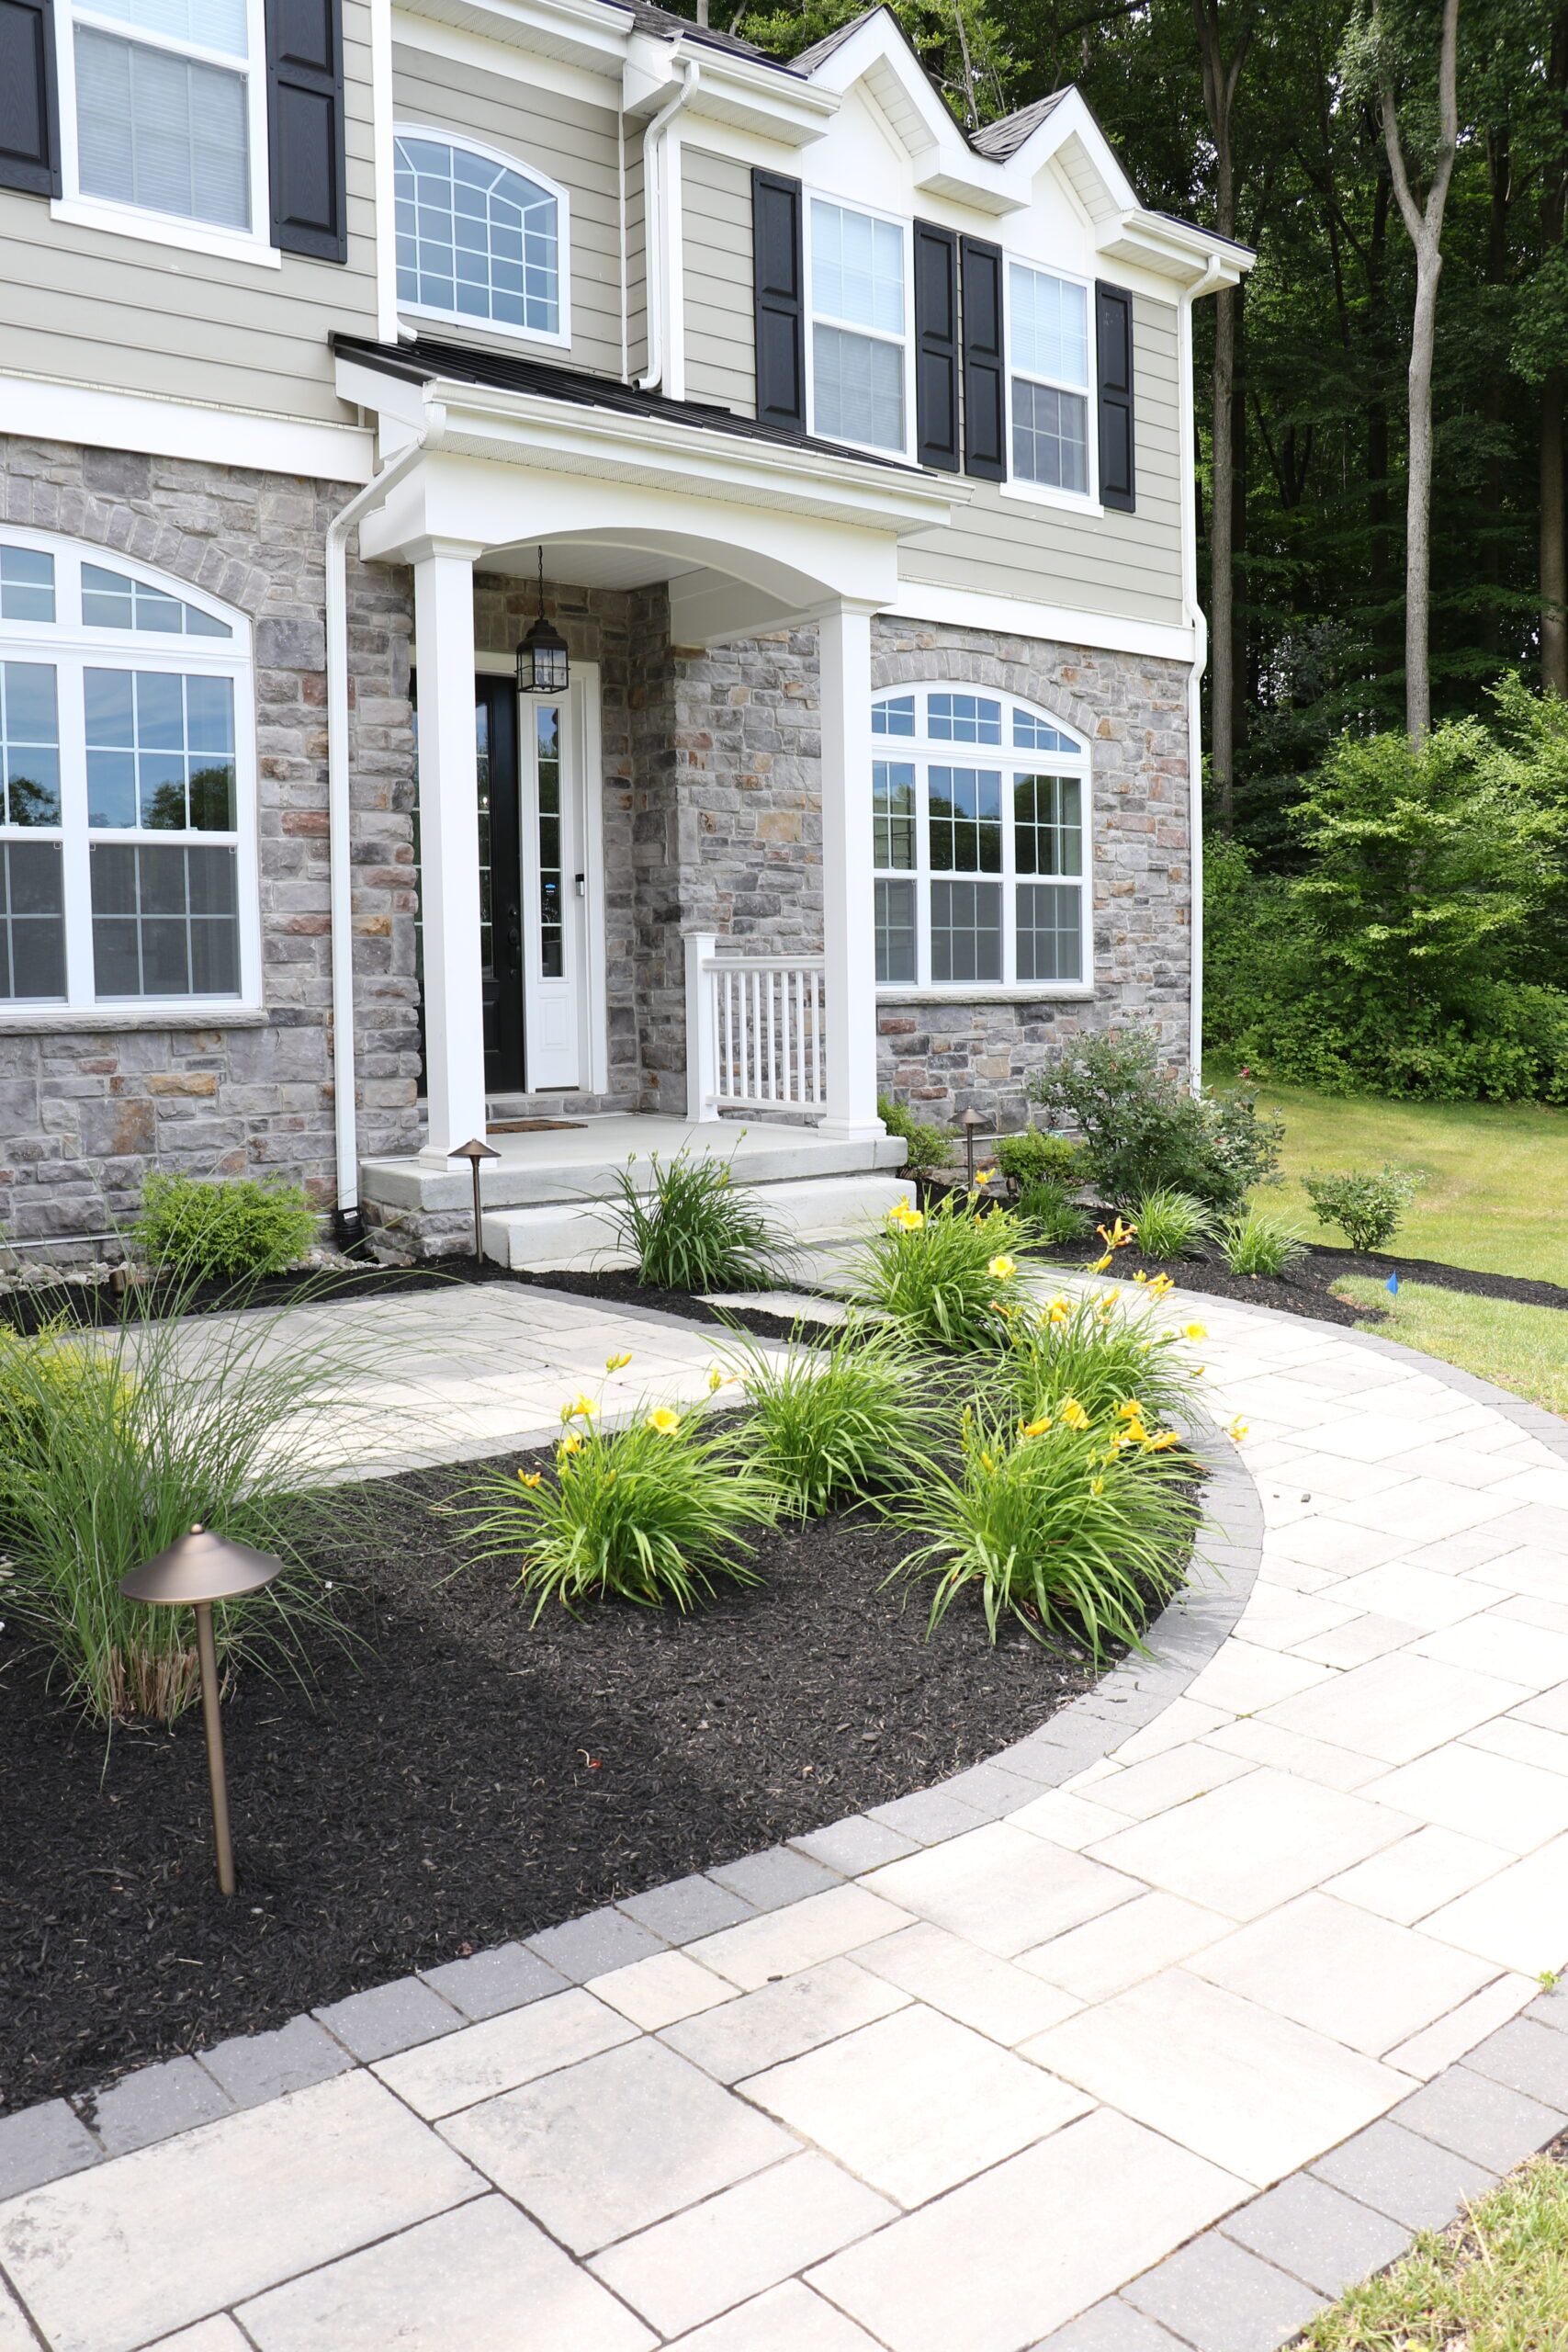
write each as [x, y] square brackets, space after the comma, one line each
[636, 259]
[576, 145]
[715, 221]
[1128, 565]
[110, 310]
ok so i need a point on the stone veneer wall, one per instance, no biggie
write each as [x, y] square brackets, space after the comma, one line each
[85, 1111]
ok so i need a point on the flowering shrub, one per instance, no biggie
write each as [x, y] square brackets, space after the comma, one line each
[652, 1512]
[1366, 1203]
[947, 1276]
[1096, 1352]
[1143, 1127]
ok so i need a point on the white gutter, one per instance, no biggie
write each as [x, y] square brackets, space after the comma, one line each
[345, 1089]
[654, 222]
[1199, 623]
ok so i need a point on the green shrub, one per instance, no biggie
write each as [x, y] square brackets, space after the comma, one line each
[925, 1147]
[1145, 1129]
[1170, 1223]
[653, 1512]
[1257, 1243]
[1050, 1214]
[944, 1276]
[1060, 1529]
[1036, 1157]
[1099, 1351]
[693, 1230]
[1366, 1203]
[229, 1229]
[835, 1424]
[112, 1444]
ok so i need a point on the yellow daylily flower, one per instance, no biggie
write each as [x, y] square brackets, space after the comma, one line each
[1120, 1235]
[1002, 1269]
[986, 1462]
[716, 1381]
[1100, 1264]
[582, 1409]
[1194, 1331]
[1198, 1370]
[570, 1445]
[1061, 1310]
[1238, 1430]
[1161, 1285]
[1000, 1306]
[1130, 1410]
[532, 1477]
[665, 1421]
[1037, 1428]
[984, 1175]
[1140, 1276]
[1097, 1487]
[1073, 1414]
[617, 1363]
[1163, 1441]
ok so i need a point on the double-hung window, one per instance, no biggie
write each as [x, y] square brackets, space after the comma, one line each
[979, 843]
[1048, 334]
[163, 106]
[478, 239]
[859, 327]
[127, 843]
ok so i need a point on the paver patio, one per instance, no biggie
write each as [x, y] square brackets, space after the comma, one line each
[1129, 2042]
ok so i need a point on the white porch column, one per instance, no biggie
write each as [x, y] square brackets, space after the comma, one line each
[449, 844]
[849, 935]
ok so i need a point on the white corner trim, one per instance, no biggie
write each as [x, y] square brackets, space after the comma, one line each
[920, 600]
[37, 410]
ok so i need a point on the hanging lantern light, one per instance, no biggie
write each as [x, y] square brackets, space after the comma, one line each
[544, 663]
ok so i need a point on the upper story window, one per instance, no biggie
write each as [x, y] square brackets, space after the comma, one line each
[979, 825]
[127, 833]
[162, 105]
[479, 240]
[858, 314]
[1049, 345]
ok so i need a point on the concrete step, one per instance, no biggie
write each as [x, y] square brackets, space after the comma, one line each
[806, 1210]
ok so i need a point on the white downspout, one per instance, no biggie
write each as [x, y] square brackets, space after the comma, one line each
[1197, 620]
[341, 866]
[653, 220]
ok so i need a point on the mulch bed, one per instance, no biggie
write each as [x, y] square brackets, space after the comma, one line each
[1306, 1288]
[458, 1778]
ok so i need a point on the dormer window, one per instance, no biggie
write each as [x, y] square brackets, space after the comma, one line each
[479, 240]
[859, 341]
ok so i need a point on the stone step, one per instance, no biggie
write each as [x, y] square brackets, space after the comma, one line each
[808, 1211]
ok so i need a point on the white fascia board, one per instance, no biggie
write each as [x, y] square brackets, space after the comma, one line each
[520, 428]
[1175, 249]
[920, 600]
[36, 409]
[579, 32]
[397, 400]
[1070, 118]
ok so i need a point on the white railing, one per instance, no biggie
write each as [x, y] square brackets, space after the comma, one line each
[755, 1036]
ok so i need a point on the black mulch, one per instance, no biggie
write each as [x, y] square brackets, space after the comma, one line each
[614, 1286]
[461, 1780]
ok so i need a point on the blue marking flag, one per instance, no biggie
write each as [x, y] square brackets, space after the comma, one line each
[1391, 1286]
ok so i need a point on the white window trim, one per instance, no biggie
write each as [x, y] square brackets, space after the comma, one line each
[561, 340]
[922, 750]
[71, 646]
[906, 228]
[1017, 485]
[82, 210]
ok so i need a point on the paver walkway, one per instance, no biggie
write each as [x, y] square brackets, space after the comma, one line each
[952, 2079]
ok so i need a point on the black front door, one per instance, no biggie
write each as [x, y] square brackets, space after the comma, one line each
[500, 883]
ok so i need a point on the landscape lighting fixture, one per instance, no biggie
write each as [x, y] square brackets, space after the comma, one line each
[544, 660]
[473, 1151]
[198, 1570]
[971, 1120]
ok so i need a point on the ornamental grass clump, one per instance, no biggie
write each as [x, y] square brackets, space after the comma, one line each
[113, 1443]
[1067, 1527]
[1258, 1243]
[1170, 1223]
[230, 1230]
[1096, 1353]
[1052, 1215]
[947, 1276]
[692, 1229]
[838, 1424]
[653, 1512]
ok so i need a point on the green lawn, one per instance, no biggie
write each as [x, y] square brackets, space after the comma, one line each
[1497, 2283]
[1496, 1190]
[1521, 1347]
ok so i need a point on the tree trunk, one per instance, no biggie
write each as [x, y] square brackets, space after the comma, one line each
[1499, 172]
[1424, 223]
[1240, 681]
[1220, 78]
[1554, 537]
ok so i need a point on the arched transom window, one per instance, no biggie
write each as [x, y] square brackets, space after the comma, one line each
[127, 837]
[477, 239]
[980, 826]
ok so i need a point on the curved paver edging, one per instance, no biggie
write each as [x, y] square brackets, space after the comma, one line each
[170, 2096]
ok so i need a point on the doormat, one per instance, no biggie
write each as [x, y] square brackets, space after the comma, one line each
[529, 1127]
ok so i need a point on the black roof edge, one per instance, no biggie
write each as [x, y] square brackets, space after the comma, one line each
[1178, 220]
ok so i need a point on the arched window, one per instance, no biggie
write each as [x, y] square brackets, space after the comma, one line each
[980, 820]
[478, 238]
[127, 833]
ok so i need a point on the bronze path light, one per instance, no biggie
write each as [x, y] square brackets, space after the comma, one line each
[473, 1151]
[971, 1120]
[198, 1570]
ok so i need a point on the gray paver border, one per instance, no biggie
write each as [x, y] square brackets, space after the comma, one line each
[1180, 1644]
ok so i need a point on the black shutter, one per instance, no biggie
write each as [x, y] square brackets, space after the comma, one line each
[29, 111]
[936, 346]
[985, 391]
[304, 108]
[778, 270]
[1114, 342]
